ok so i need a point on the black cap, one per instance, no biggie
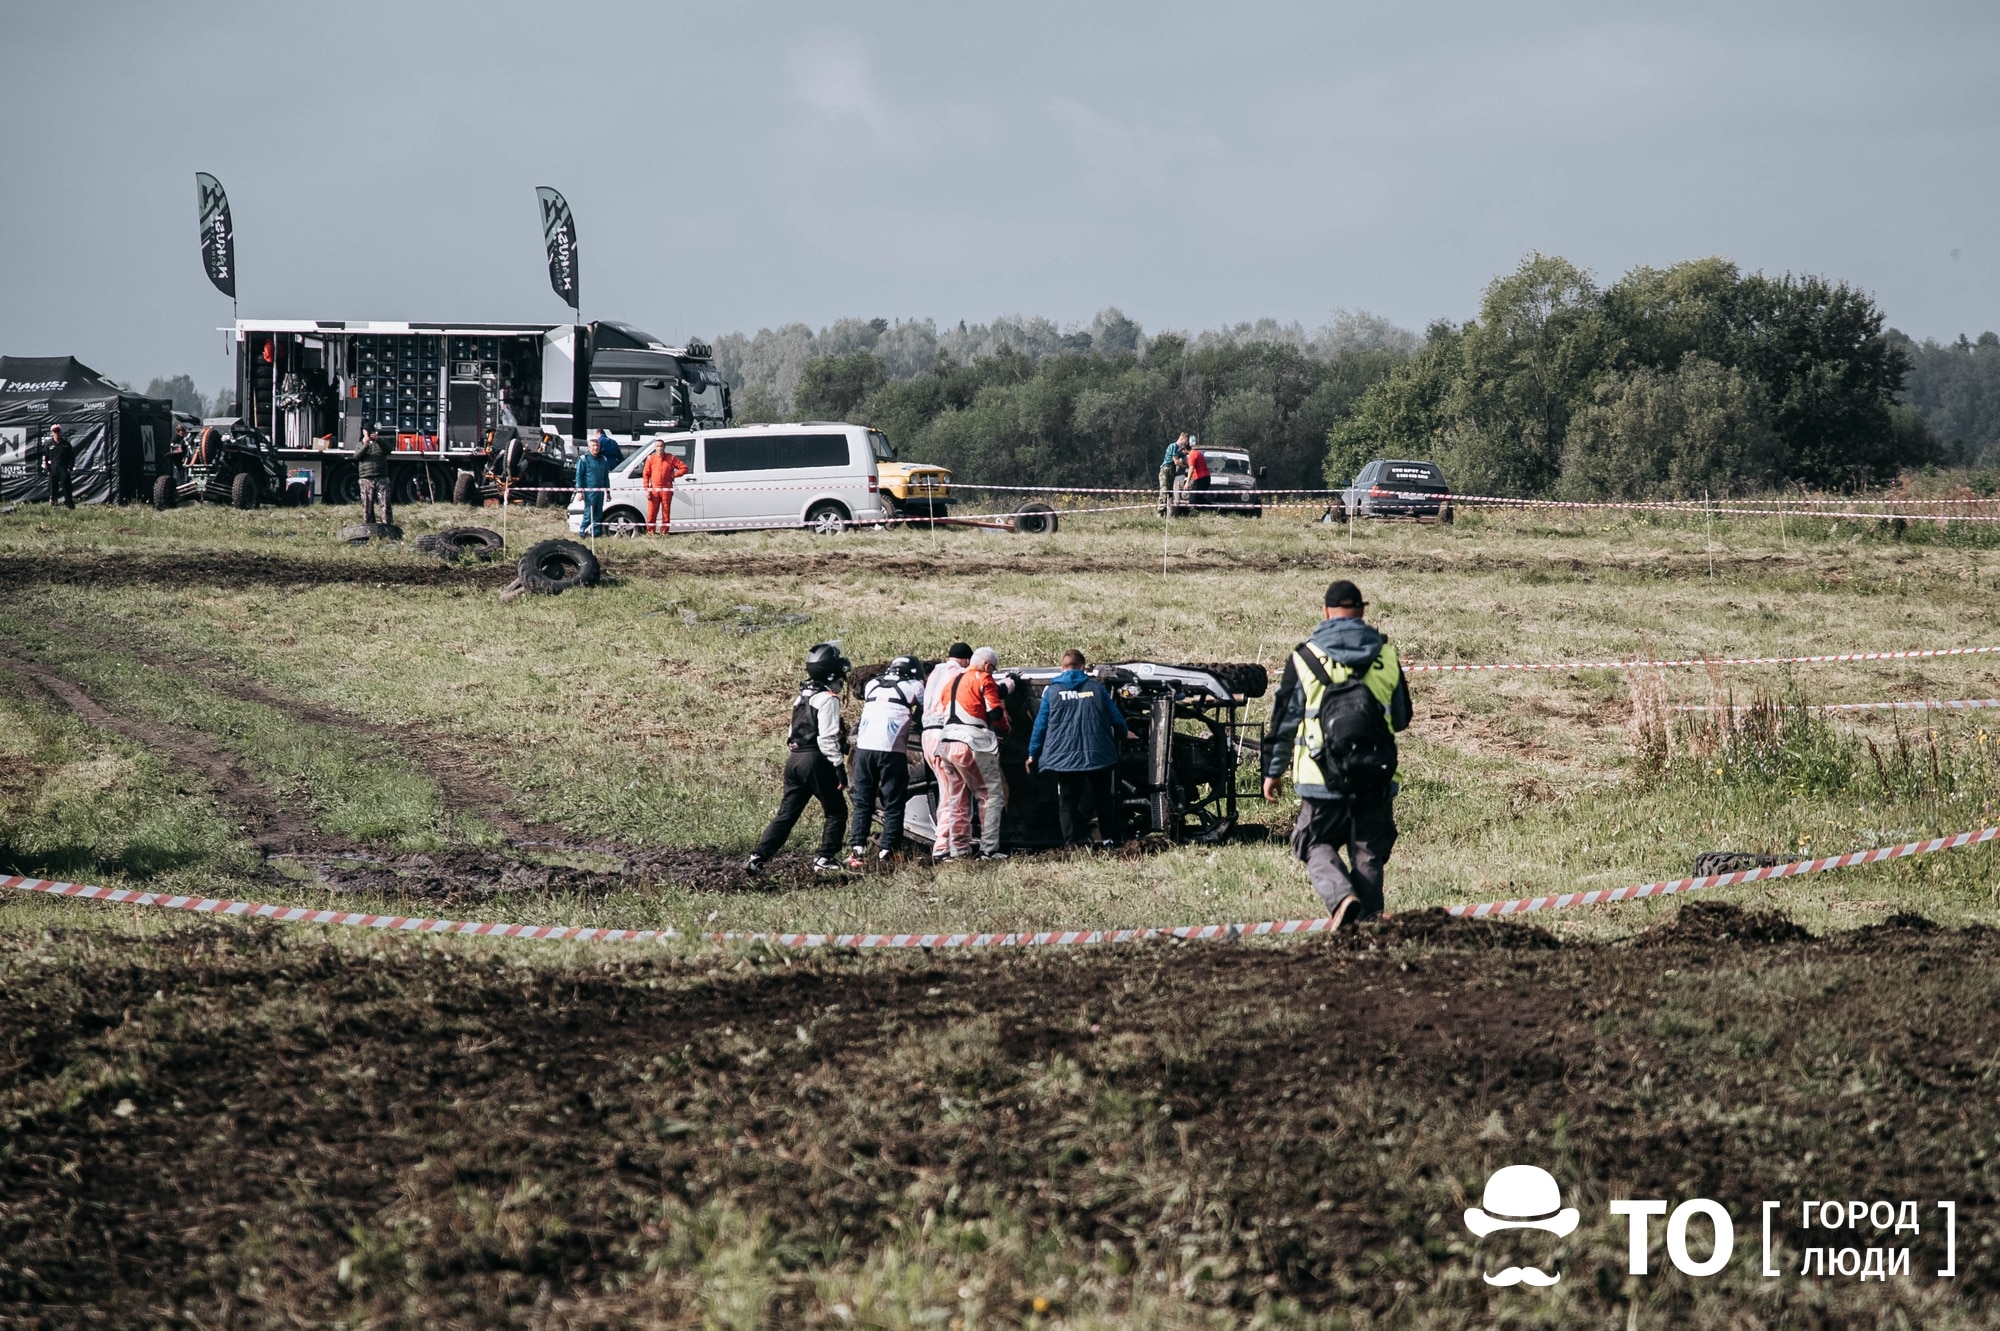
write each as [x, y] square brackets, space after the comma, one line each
[1344, 595]
[960, 651]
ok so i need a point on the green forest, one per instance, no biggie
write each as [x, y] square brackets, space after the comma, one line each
[1668, 382]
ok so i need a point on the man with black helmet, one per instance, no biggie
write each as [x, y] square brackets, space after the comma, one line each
[815, 767]
[889, 703]
[1333, 730]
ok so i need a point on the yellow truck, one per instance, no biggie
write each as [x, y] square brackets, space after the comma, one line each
[910, 489]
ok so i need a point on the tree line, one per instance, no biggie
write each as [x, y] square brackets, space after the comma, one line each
[1955, 387]
[1090, 420]
[1668, 382]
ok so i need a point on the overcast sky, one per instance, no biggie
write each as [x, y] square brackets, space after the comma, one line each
[737, 166]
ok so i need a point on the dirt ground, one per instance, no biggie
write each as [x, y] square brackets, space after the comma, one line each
[246, 569]
[222, 1124]
[242, 1126]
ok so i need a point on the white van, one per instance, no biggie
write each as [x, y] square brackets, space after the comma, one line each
[813, 475]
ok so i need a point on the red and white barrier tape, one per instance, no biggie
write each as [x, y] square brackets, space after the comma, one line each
[1048, 938]
[1933, 705]
[1307, 498]
[1519, 905]
[1419, 667]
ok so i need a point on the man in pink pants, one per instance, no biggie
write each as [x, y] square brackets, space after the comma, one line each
[975, 720]
[954, 814]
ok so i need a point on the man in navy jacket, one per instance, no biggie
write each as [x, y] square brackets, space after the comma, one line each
[1075, 740]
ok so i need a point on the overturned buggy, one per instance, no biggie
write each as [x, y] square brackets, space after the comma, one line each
[1179, 777]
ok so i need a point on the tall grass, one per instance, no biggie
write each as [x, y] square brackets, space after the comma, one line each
[1780, 748]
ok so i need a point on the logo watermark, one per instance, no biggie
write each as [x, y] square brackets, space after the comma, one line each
[1520, 1197]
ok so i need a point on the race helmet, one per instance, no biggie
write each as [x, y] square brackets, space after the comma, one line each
[906, 667]
[825, 664]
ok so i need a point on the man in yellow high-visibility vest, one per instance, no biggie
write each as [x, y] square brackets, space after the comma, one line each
[1333, 729]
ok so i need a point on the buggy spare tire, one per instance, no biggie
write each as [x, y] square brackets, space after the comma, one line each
[551, 568]
[360, 533]
[1245, 677]
[164, 493]
[244, 491]
[455, 543]
[1035, 519]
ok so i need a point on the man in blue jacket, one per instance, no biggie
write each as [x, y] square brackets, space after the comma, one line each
[593, 480]
[1075, 740]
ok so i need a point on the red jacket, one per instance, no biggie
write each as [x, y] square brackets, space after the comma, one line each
[1197, 465]
[976, 697]
[661, 470]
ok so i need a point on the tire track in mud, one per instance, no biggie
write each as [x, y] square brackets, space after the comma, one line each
[275, 830]
[462, 785]
[232, 570]
[440, 877]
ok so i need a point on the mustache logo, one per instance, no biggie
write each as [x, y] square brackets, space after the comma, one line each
[1524, 1275]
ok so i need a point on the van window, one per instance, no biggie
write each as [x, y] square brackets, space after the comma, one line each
[605, 392]
[775, 452]
[880, 443]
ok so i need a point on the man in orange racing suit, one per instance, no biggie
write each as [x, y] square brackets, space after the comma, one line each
[662, 468]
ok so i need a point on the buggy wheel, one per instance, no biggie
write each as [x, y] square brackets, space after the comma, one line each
[164, 493]
[244, 491]
[1035, 519]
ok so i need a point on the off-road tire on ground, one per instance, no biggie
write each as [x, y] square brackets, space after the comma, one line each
[1245, 677]
[551, 568]
[1729, 861]
[361, 533]
[455, 543]
[465, 490]
[1035, 519]
[165, 493]
[298, 494]
[827, 518]
[244, 491]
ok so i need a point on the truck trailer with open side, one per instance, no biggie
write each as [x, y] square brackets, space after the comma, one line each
[468, 404]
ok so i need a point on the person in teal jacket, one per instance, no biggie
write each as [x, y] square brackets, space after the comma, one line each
[593, 478]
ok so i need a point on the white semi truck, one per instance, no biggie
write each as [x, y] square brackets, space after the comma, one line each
[468, 404]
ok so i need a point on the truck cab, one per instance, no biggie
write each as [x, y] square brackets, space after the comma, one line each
[637, 386]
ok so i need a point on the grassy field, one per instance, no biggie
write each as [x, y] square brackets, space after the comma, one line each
[649, 712]
[214, 702]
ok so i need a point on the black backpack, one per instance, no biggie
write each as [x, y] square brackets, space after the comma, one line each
[1357, 751]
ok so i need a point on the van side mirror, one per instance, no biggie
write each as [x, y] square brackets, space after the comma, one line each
[1262, 472]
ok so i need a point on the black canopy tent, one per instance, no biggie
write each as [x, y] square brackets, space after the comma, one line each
[122, 440]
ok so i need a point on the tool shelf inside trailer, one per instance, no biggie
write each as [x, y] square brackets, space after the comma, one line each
[451, 396]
